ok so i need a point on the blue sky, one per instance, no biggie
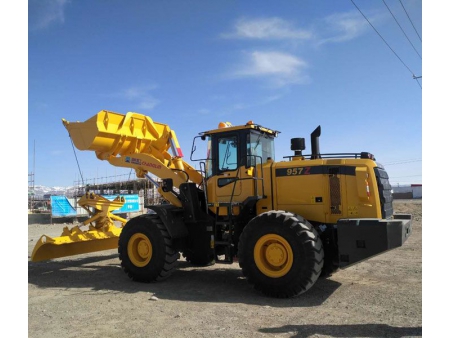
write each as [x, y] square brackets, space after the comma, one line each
[288, 65]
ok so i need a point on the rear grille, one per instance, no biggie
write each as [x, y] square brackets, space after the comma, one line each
[335, 195]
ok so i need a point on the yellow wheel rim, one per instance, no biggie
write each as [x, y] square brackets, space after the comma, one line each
[273, 255]
[140, 250]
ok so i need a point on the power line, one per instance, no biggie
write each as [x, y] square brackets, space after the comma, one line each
[403, 161]
[382, 38]
[402, 29]
[406, 176]
[386, 42]
[410, 20]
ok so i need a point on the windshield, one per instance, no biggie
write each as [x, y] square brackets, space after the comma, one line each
[259, 146]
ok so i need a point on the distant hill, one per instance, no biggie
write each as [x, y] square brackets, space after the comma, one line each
[40, 191]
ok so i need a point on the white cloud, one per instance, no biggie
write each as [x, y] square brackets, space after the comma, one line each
[141, 96]
[266, 28]
[262, 102]
[46, 12]
[280, 68]
[343, 27]
[148, 103]
[138, 92]
[204, 111]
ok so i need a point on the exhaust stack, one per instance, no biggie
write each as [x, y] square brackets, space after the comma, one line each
[315, 151]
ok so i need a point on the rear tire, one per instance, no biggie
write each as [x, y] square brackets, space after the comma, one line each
[281, 254]
[146, 250]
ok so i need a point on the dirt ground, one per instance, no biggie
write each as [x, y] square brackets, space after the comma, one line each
[90, 296]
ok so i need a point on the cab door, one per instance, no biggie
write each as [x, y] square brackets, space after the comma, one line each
[226, 181]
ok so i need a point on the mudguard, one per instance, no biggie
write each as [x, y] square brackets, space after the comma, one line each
[172, 217]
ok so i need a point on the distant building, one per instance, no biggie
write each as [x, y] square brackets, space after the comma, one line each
[407, 191]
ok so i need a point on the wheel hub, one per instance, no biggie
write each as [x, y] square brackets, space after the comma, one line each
[273, 255]
[276, 254]
[139, 249]
[143, 249]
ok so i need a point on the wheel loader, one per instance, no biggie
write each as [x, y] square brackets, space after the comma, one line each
[285, 222]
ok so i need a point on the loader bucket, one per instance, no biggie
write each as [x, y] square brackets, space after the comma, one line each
[102, 233]
[110, 133]
[133, 141]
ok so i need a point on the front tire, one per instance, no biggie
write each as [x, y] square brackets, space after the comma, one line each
[146, 250]
[281, 254]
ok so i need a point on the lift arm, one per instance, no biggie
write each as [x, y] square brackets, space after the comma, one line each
[135, 141]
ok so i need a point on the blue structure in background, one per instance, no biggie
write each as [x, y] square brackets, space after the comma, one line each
[62, 207]
[131, 203]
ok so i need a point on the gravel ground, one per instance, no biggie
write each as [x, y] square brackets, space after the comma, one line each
[90, 296]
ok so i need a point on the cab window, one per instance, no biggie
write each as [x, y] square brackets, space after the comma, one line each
[227, 153]
[208, 164]
[260, 147]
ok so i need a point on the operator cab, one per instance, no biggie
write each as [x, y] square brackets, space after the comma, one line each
[233, 167]
[230, 148]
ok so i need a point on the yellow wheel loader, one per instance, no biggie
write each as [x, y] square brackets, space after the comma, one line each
[286, 222]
